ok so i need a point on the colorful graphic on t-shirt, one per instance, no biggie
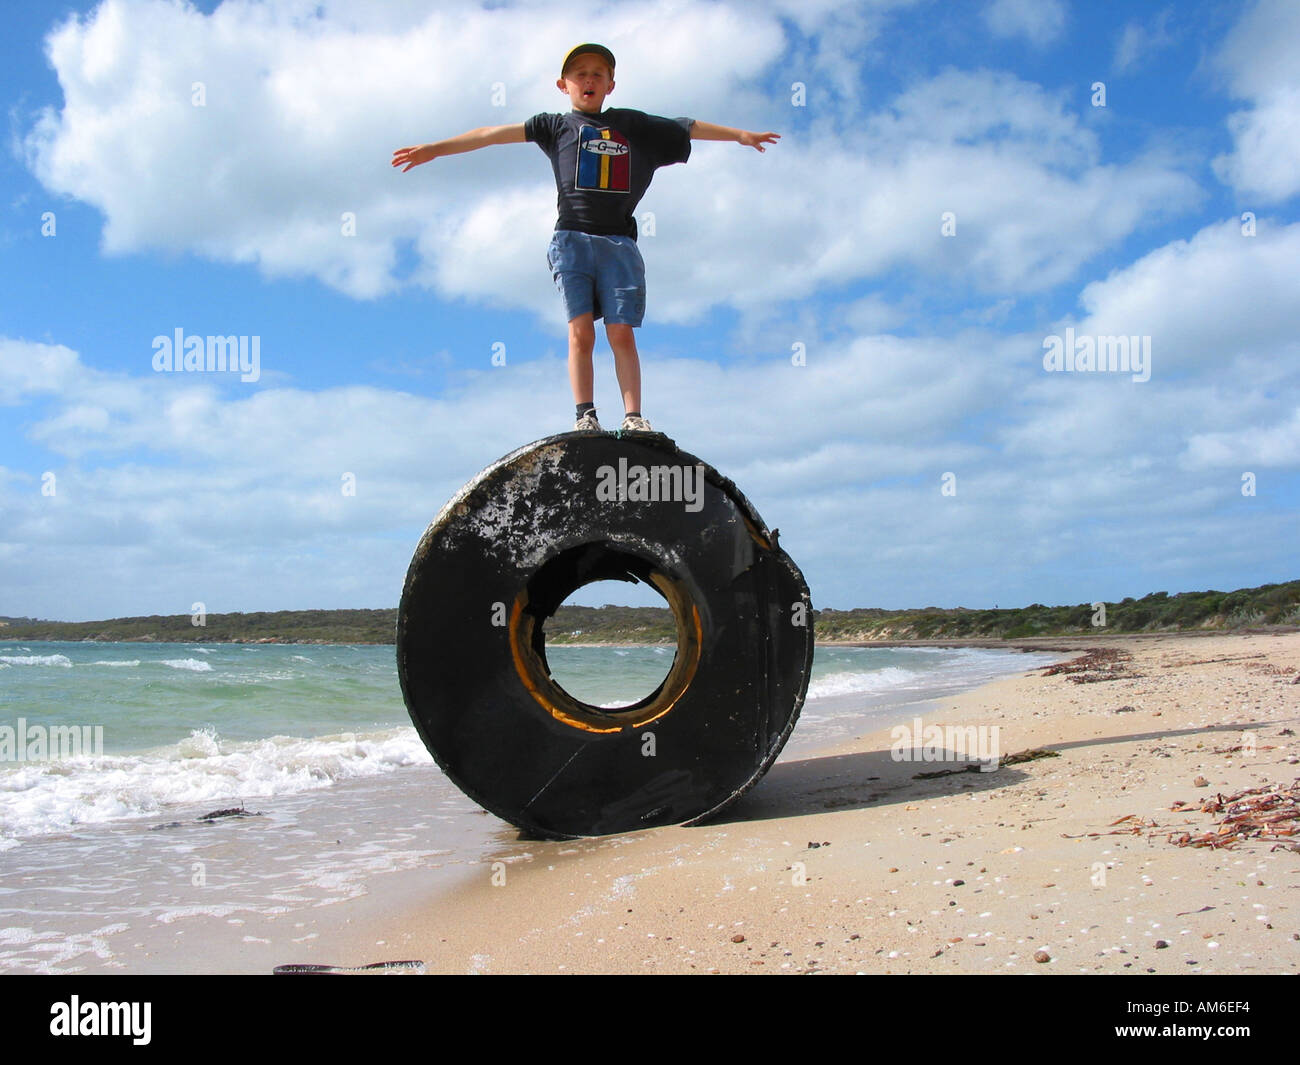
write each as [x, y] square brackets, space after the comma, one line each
[604, 162]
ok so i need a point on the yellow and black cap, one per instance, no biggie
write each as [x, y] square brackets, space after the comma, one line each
[584, 49]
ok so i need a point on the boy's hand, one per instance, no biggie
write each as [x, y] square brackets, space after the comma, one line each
[757, 140]
[465, 142]
[707, 131]
[414, 156]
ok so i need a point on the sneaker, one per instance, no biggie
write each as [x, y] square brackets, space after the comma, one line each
[635, 425]
[587, 422]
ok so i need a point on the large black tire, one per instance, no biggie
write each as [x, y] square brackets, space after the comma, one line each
[511, 546]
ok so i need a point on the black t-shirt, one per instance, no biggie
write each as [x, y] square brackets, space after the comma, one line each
[603, 163]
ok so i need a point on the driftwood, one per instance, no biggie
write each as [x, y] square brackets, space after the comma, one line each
[976, 767]
[377, 968]
[1210, 661]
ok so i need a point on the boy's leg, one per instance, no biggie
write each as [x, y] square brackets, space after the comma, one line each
[573, 268]
[627, 364]
[582, 342]
[620, 284]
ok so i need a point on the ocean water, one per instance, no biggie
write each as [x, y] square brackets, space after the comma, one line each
[100, 843]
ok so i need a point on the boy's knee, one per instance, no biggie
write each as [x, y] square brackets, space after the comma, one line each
[620, 333]
[583, 329]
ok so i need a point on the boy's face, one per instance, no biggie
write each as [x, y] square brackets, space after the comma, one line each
[587, 81]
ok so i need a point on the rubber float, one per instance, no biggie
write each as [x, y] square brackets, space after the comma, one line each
[505, 553]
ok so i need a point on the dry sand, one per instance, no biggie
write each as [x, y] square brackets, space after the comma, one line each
[845, 862]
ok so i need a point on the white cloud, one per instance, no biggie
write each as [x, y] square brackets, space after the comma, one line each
[1261, 60]
[1140, 40]
[1219, 300]
[1266, 161]
[1276, 445]
[840, 40]
[303, 112]
[1038, 21]
[1129, 47]
[28, 369]
[1225, 366]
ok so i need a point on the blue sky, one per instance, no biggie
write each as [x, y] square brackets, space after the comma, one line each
[956, 183]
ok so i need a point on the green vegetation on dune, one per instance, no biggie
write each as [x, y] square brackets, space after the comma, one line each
[612, 624]
[280, 626]
[1269, 604]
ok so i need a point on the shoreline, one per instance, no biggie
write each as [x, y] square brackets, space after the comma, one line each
[1059, 642]
[844, 860]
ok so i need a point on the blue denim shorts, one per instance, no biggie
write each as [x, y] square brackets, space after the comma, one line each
[601, 275]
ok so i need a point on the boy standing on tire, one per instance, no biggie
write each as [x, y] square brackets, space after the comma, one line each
[603, 163]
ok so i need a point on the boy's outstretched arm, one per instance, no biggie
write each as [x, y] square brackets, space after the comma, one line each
[465, 142]
[707, 131]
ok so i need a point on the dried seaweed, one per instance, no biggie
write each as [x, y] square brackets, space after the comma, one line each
[1271, 812]
[1267, 813]
[1099, 664]
[1098, 658]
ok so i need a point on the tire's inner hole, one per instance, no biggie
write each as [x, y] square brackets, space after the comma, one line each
[608, 677]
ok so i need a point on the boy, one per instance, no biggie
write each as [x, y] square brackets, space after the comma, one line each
[603, 163]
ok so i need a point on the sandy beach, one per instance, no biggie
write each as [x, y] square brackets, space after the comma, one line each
[848, 861]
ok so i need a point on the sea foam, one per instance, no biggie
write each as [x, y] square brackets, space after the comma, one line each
[40, 798]
[193, 664]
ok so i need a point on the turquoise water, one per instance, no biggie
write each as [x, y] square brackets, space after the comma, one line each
[149, 695]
